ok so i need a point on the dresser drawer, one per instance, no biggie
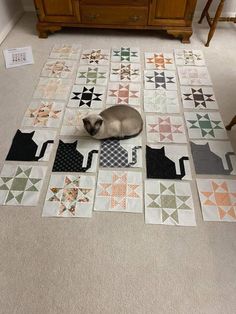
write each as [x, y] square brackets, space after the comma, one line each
[113, 15]
[116, 3]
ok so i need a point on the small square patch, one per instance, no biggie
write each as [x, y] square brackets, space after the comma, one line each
[156, 79]
[31, 145]
[218, 199]
[72, 124]
[66, 51]
[213, 157]
[76, 156]
[21, 184]
[194, 76]
[123, 94]
[92, 75]
[59, 68]
[168, 162]
[169, 203]
[169, 129]
[207, 125]
[121, 154]
[85, 97]
[125, 72]
[95, 57]
[190, 57]
[159, 61]
[43, 113]
[52, 88]
[161, 101]
[198, 97]
[125, 54]
[119, 191]
[69, 196]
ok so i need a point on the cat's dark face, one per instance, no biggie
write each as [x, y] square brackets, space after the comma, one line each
[92, 124]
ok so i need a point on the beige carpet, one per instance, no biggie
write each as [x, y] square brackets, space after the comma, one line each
[113, 263]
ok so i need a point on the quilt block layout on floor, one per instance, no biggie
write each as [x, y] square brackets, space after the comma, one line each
[21, 184]
[183, 138]
[169, 203]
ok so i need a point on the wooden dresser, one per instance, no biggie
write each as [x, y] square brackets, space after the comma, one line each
[173, 16]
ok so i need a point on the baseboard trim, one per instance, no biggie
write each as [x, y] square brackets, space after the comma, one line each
[10, 25]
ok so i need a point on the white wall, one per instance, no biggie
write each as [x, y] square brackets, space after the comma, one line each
[10, 12]
[229, 7]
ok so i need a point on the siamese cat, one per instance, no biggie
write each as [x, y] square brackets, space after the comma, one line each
[117, 122]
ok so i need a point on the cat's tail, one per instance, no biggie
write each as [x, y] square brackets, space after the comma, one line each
[182, 168]
[134, 155]
[229, 162]
[90, 158]
[44, 147]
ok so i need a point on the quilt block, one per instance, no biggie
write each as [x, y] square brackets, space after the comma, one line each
[119, 191]
[190, 57]
[169, 203]
[189, 75]
[159, 61]
[124, 94]
[21, 184]
[95, 56]
[59, 68]
[53, 88]
[161, 101]
[92, 75]
[69, 196]
[198, 97]
[157, 79]
[218, 199]
[125, 72]
[86, 97]
[125, 54]
[65, 51]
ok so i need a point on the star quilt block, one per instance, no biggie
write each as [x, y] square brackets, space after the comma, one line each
[65, 51]
[76, 155]
[125, 54]
[168, 129]
[121, 154]
[161, 101]
[213, 157]
[69, 196]
[43, 113]
[119, 191]
[53, 88]
[190, 75]
[157, 79]
[59, 68]
[190, 57]
[168, 162]
[31, 145]
[207, 125]
[92, 75]
[72, 124]
[169, 203]
[95, 57]
[159, 61]
[124, 94]
[125, 72]
[218, 199]
[198, 97]
[85, 97]
[21, 184]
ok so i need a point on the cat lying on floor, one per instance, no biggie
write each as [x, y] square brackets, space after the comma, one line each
[119, 122]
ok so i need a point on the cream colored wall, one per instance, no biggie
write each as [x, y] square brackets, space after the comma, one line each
[10, 12]
[229, 7]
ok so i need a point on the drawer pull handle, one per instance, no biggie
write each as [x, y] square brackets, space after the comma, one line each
[135, 18]
[92, 17]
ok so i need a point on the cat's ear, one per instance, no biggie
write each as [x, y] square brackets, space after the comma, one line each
[87, 124]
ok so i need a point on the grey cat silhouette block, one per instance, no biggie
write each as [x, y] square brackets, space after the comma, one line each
[213, 157]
